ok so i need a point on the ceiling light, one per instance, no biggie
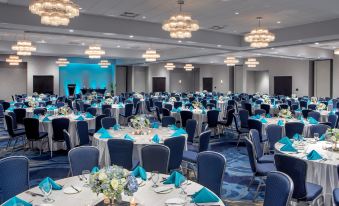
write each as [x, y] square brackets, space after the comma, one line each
[131, 36]
[336, 51]
[150, 55]
[259, 37]
[236, 13]
[118, 46]
[62, 62]
[218, 45]
[251, 62]
[24, 48]
[231, 61]
[71, 30]
[188, 67]
[54, 12]
[278, 22]
[316, 43]
[94, 52]
[181, 25]
[169, 66]
[144, 17]
[13, 60]
[104, 63]
[179, 41]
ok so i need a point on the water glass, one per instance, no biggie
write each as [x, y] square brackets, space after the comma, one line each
[316, 136]
[85, 175]
[155, 178]
[46, 189]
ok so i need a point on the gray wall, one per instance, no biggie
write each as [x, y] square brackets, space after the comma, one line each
[220, 75]
[139, 78]
[120, 79]
[322, 78]
[183, 81]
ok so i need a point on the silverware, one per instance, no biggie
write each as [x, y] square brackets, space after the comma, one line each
[75, 188]
[80, 178]
[33, 194]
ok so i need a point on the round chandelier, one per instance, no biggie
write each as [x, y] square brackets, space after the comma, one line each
[151, 55]
[251, 62]
[13, 60]
[188, 67]
[94, 52]
[336, 51]
[104, 64]
[24, 48]
[169, 66]
[54, 12]
[231, 61]
[259, 37]
[62, 62]
[181, 25]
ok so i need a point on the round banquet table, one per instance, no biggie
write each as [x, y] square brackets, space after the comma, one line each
[145, 196]
[115, 109]
[140, 141]
[274, 109]
[321, 172]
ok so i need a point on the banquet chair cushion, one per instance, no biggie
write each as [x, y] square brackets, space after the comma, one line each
[266, 159]
[155, 157]
[190, 156]
[83, 158]
[336, 196]
[176, 146]
[274, 134]
[313, 191]
[264, 168]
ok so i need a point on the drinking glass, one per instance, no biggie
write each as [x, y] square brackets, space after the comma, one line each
[316, 136]
[46, 189]
[155, 178]
[85, 175]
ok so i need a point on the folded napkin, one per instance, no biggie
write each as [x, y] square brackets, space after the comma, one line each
[105, 135]
[203, 111]
[95, 170]
[101, 130]
[288, 148]
[179, 132]
[268, 116]
[331, 113]
[140, 172]
[300, 117]
[175, 178]
[191, 109]
[311, 120]
[297, 137]
[120, 105]
[156, 139]
[285, 140]
[11, 109]
[51, 108]
[14, 201]
[174, 110]
[173, 127]
[155, 125]
[314, 155]
[89, 115]
[55, 186]
[116, 127]
[280, 123]
[204, 196]
[80, 118]
[129, 137]
[36, 116]
[263, 120]
[46, 119]
[256, 116]
[24, 107]
[322, 137]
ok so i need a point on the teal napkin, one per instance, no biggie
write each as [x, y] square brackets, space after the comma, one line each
[280, 123]
[89, 115]
[101, 130]
[285, 140]
[203, 111]
[129, 137]
[331, 113]
[14, 201]
[95, 170]
[174, 110]
[179, 132]
[255, 117]
[314, 155]
[46, 119]
[24, 107]
[140, 172]
[105, 135]
[80, 118]
[11, 109]
[156, 139]
[55, 186]
[268, 116]
[204, 196]
[116, 127]
[311, 120]
[155, 125]
[297, 137]
[298, 110]
[36, 116]
[322, 137]
[300, 117]
[176, 178]
[120, 105]
[288, 148]
[263, 120]
[191, 109]
[173, 127]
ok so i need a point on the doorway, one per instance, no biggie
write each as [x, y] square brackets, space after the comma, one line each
[159, 84]
[43, 84]
[283, 85]
[207, 84]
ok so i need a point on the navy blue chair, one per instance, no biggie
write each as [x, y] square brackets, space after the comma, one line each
[259, 112]
[6, 105]
[273, 134]
[283, 106]
[314, 114]
[155, 157]
[177, 105]
[82, 130]
[107, 112]
[266, 107]
[108, 122]
[248, 107]
[2, 113]
[296, 169]
[211, 167]
[166, 112]
[259, 151]
[92, 111]
[33, 133]
[305, 112]
[20, 114]
[257, 125]
[104, 107]
[279, 189]
[303, 104]
[83, 158]
[14, 176]
[176, 146]
[128, 111]
[243, 117]
[40, 111]
[191, 126]
[58, 125]
[19, 105]
[98, 125]
[137, 108]
[185, 115]
[168, 106]
[240, 130]
[167, 121]
[159, 105]
[67, 139]
[333, 119]
[318, 128]
[312, 107]
[59, 104]
[213, 120]
[13, 133]
[79, 105]
[229, 119]
[292, 128]
[121, 153]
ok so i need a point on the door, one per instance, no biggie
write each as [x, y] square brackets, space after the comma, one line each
[43, 84]
[283, 85]
[207, 84]
[159, 84]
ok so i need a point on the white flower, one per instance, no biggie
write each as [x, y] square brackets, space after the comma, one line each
[114, 184]
[102, 176]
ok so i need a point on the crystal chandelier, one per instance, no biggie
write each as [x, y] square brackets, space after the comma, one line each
[180, 25]
[151, 55]
[336, 51]
[259, 37]
[54, 12]
[188, 67]
[13, 60]
[94, 52]
[62, 62]
[231, 61]
[251, 62]
[24, 48]
[104, 63]
[170, 66]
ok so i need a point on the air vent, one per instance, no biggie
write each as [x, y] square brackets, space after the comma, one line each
[74, 43]
[129, 14]
[217, 27]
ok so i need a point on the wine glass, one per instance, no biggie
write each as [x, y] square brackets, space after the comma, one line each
[46, 189]
[85, 175]
[316, 136]
[155, 178]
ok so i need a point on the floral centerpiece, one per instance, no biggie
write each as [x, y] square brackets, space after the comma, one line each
[139, 123]
[314, 100]
[94, 93]
[321, 106]
[32, 102]
[294, 96]
[65, 110]
[138, 95]
[334, 137]
[196, 105]
[172, 99]
[109, 101]
[257, 95]
[285, 113]
[113, 181]
[221, 98]
[266, 99]
[42, 96]
[108, 94]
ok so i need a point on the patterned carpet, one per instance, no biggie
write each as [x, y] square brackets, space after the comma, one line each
[237, 176]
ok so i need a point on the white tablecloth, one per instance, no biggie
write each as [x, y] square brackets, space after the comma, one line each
[323, 115]
[115, 110]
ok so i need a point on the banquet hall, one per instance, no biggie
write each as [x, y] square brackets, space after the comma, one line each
[169, 102]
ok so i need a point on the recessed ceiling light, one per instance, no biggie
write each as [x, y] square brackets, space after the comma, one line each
[83, 44]
[109, 34]
[272, 48]
[71, 30]
[131, 36]
[316, 43]
[300, 40]
[41, 41]
[278, 22]
[218, 45]
[179, 41]
[236, 13]
[80, 8]
[144, 17]
[118, 46]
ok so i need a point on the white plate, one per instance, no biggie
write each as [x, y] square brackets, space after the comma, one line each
[175, 202]
[70, 190]
[163, 189]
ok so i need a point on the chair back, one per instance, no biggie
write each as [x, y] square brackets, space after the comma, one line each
[158, 104]
[185, 115]
[14, 176]
[176, 146]
[169, 107]
[279, 189]
[259, 112]
[128, 110]
[92, 111]
[283, 106]
[243, 116]
[121, 152]
[167, 121]
[274, 133]
[229, 117]
[83, 158]
[315, 115]
[108, 122]
[257, 125]
[60, 104]
[166, 112]
[212, 118]
[105, 106]
[40, 111]
[318, 128]
[210, 106]
[98, 121]
[303, 104]
[254, 136]
[107, 112]
[292, 128]
[191, 125]
[6, 105]
[251, 154]
[10, 125]
[135, 102]
[137, 108]
[58, 125]
[312, 107]
[67, 139]
[177, 105]
[31, 128]
[296, 169]
[305, 112]
[155, 157]
[332, 118]
[20, 114]
[265, 107]
[204, 140]
[211, 167]
[82, 130]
